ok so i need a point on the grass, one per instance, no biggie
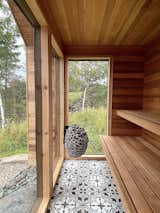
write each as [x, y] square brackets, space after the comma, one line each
[74, 97]
[13, 139]
[94, 122]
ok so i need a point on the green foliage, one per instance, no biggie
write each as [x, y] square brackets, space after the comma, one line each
[8, 45]
[94, 122]
[89, 76]
[15, 101]
[96, 96]
[83, 74]
[12, 88]
[74, 97]
[13, 139]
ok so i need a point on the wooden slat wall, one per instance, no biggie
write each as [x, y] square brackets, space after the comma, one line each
[151, 100]
[61, 106]
[66, 90]
[127, 92]
[57, 107]
[54, 126]
[30, 89]
[47, 148]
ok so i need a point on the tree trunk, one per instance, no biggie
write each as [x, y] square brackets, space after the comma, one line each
[84, 98]
[2, 113]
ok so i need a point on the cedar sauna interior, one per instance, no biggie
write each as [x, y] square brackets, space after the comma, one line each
[126, 32]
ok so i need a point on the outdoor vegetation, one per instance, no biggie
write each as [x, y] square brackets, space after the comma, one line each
[88, 99]
[13, 129]
[87, 92]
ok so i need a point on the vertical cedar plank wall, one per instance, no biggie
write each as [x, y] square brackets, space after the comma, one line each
[31, 104]
[151, 100]
[46, 81]
[127, 91]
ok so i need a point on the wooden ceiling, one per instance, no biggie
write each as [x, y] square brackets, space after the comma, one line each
[103, 22]
[23, 24]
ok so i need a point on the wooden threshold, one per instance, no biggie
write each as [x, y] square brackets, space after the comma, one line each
[93, 157]
[145, 119]
[87, 157]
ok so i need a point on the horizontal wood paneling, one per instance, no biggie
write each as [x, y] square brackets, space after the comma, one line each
[152, 138]
[127, 93]
[121, 53]
[145, 119]
[151, 100]
[120, 126]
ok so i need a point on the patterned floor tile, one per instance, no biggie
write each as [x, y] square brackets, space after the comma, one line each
[85, 187]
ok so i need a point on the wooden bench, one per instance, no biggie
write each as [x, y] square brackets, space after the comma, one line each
[135, 166]
[147, 120]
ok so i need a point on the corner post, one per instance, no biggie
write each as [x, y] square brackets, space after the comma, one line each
[46, 82]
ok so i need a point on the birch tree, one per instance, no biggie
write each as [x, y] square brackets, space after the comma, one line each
[9, 54]
[86, 74]
[2, 113]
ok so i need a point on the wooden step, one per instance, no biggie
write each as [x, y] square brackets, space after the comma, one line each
[145, 119]
[138, 169]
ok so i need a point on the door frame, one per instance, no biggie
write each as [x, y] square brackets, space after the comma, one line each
[109, 98]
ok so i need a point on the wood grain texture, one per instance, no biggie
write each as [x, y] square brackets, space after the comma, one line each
[55, 156]
[30, 101]
[43, 11]
[61, 106]
[127, 91]
[66, 90]
[121, 52]
[25, 28]
[104, 22]
[151, 99]
[109, 97]
[139, 168]
[146, 119]
[127, 201]
[46, 69]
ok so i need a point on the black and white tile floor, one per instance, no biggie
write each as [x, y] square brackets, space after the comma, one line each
[85, 187]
